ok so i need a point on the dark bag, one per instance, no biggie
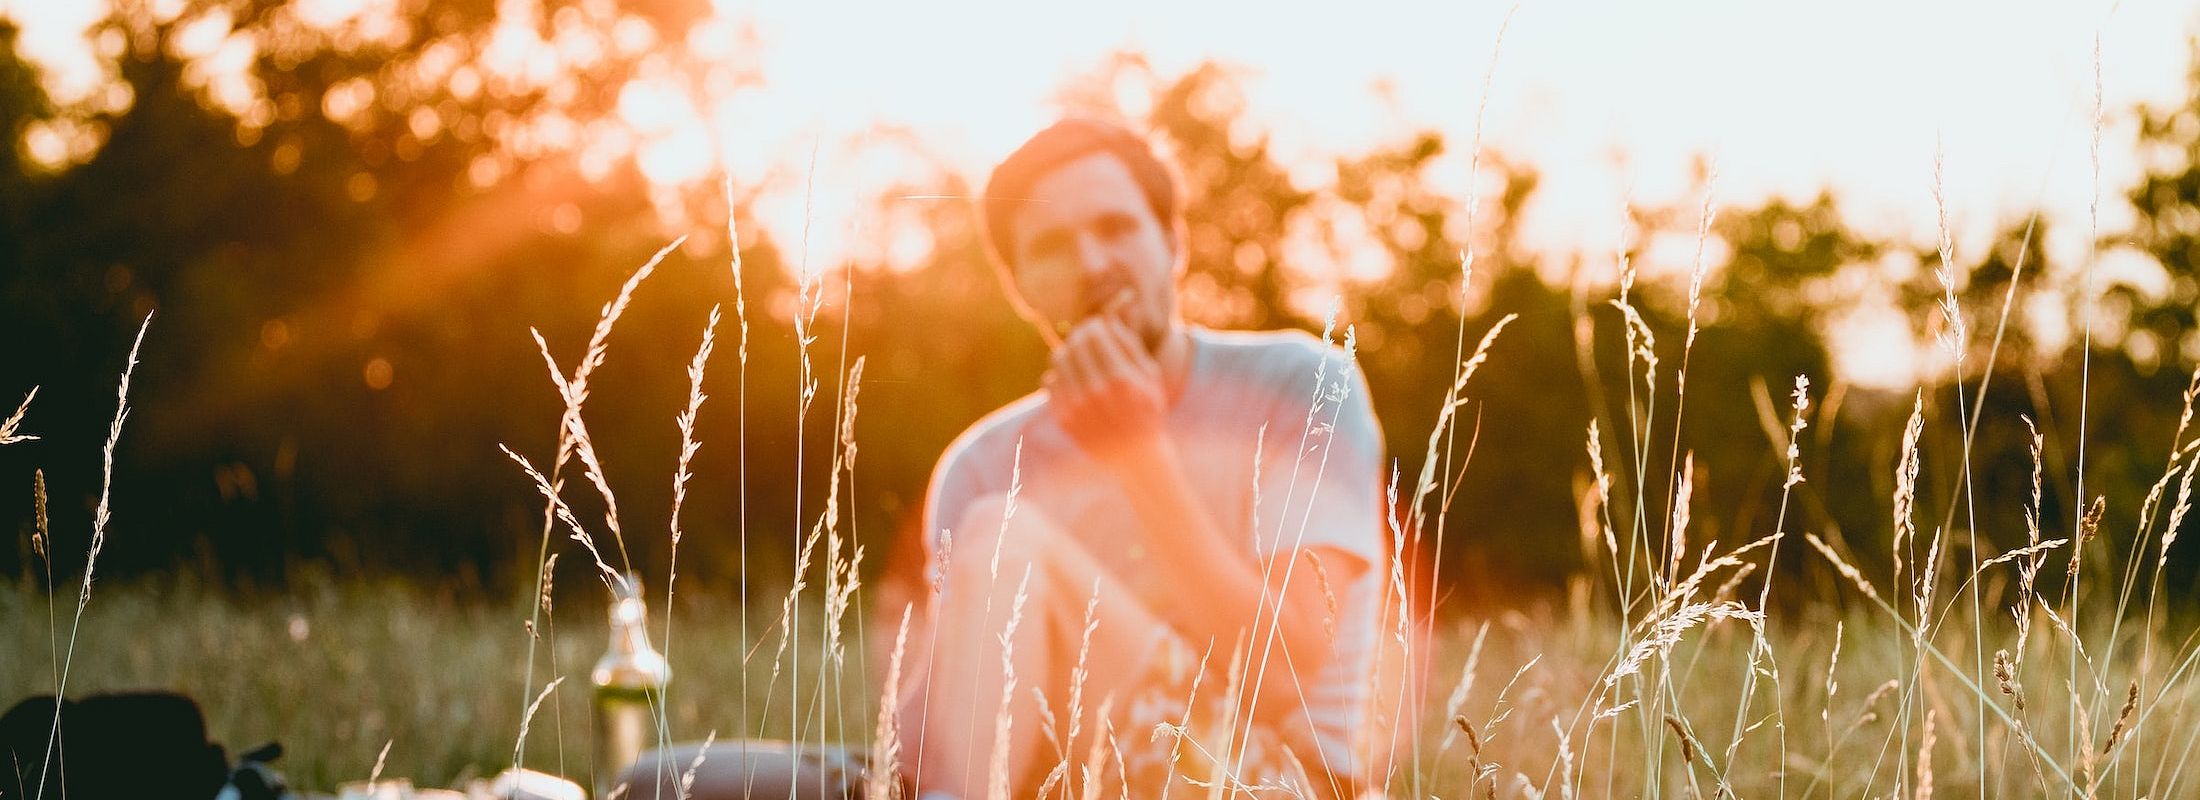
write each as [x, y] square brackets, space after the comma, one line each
[138, 745]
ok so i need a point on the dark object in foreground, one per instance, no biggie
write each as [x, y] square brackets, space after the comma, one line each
[739, 770]
[255, 777]
[137, 745]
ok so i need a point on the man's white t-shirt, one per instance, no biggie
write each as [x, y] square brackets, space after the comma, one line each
[1284, 400]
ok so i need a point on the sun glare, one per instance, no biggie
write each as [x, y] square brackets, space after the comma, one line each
[816, 119]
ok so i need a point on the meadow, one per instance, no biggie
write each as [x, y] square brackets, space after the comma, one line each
[2054, 669]
[336, 670]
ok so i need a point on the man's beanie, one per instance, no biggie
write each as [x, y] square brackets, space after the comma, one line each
[1059, 144]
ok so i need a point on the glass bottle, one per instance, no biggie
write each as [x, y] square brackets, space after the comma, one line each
[629, 685]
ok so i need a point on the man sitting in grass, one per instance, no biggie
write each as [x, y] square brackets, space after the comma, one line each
[1208, 500]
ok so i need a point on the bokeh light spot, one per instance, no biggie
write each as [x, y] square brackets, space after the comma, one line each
[378, 373]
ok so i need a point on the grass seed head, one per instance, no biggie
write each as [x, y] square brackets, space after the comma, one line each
[38, 507]
[1329, 594]
[2123, 719]
[687, 778]
[380, 759]
[2090, 527]
[2005, 674]
[14, 422]
[549, 571]
[1870, 713]
[1905, 486]
[1474, 741]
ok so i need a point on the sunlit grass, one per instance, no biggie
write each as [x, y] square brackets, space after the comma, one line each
[335, 667]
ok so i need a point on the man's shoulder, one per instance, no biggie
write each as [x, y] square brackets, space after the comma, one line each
[1278, 340]
[1286, 355]
[993, 438]
[1297, 375]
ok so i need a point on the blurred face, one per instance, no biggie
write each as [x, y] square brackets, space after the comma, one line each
[1088, 240]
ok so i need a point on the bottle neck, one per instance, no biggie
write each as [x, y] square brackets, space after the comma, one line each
[630, 662]
[629, 617]
[629, 636]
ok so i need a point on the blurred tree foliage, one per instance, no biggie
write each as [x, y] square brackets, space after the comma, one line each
[346, 255]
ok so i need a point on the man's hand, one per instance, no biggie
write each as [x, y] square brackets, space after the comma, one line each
[1105, 390]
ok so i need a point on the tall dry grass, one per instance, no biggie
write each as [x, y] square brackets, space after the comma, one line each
[335, 667]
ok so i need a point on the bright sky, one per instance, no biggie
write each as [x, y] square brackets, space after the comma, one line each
[1788, 96]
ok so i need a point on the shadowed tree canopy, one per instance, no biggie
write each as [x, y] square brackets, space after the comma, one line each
[346, 242]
